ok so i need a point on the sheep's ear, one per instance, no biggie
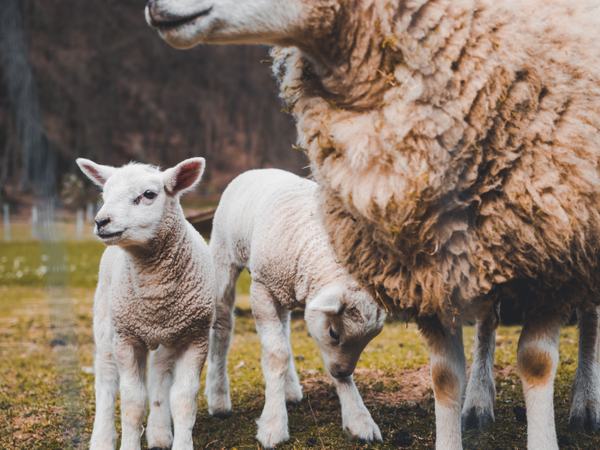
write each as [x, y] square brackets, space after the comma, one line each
[95, 172]
[329, 302]
[184, 176]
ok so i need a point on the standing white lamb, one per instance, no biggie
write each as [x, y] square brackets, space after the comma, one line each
[457, 147]
[268, 222]
[156, 291]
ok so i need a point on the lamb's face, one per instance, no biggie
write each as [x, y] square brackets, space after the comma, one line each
[136, 198]
[343, 321]
[186, 23]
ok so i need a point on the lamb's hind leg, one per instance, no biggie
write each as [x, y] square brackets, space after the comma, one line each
[585, 405]
[293, 388]
[273, 422]
[159, 433]
[478, 408]
[537, 360]
[217, 381]
[447, 360]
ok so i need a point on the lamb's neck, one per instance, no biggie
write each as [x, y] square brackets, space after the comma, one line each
[167, 253]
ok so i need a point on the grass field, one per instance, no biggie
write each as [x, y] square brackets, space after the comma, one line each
[46, 380]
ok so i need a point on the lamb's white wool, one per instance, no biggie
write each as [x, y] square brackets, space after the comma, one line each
[267, 222]
[155, 295]
[456, 144]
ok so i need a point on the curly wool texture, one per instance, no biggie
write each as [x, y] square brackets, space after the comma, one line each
[457, 144]
[165, 294]
[268, 221]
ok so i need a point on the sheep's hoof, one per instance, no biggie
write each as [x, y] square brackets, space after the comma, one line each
[477, 419]
[587, 419]
[160, 448]
[221, 414]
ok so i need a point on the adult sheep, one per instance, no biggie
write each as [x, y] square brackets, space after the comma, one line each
[456, 143]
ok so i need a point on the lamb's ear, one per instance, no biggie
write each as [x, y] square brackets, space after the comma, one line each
[184, 176]
[329, 302]
[95, 172]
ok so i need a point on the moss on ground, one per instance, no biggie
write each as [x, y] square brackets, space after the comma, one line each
[46, 380]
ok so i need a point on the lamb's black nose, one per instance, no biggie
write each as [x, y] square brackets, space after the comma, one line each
[102, 222]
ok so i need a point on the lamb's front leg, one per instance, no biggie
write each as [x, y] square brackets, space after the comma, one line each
[273, 422]
[159, 433]
[478, 409]
[131, 360]
[293, 388]
[537, 360]
[447, 361]
[184, 392]
[585, 403]
[106, 384]
[356, 418]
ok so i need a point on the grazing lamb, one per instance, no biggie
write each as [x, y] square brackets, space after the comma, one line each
[267, 221]
[155, 293]
[456, 144]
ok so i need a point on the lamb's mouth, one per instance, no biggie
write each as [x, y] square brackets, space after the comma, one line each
[108, 236]
[172, 22]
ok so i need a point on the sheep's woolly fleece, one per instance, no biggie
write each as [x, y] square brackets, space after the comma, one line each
[166, 291]
[268, 221]
[457, 144]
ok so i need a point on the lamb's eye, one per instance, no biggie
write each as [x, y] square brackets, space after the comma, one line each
[333, 334]
[150, 195]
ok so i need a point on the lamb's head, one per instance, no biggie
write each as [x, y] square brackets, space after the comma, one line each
[343, 320]
[186, 23]
[138, 198]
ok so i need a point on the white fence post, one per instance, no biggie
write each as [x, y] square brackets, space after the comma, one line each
[79, 224]
[89, 212]
[6, 221]
[35, 222]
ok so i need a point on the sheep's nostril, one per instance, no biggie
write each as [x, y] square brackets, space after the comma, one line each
[102, 222]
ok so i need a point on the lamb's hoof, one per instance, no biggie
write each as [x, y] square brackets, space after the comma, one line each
[363, 428]
[272, 433]
[477, 419]
[586, 419]
[159, 448]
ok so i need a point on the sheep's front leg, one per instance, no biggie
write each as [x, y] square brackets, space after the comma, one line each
[478, 409]
[356, 418]
[106, 383]
[273, 422]
[160, 377]
[131, 360]
[184, 392]
[447, 361]
[537, 360]
[293, 388]
[585, 404]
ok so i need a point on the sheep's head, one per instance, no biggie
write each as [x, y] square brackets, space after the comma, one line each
[138, 197]
[186, 23]
[343, 320]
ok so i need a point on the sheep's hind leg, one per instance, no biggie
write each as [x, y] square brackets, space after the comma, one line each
[585, 404]
[159, 433]
[478, 408]
[217, 381]
[131, 360]
[447, 360]
[273, 422]
[184, 391]
[537, 360]
[356, 418]
[293, 388]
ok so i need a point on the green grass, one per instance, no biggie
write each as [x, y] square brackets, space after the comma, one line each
[46, 384]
